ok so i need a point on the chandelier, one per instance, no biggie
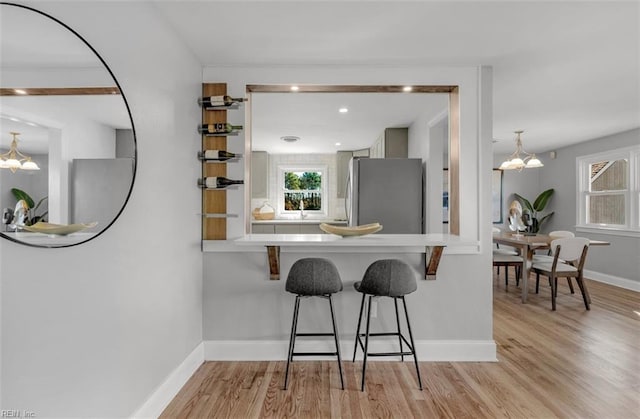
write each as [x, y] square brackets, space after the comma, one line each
[14, 160]
[518, 162]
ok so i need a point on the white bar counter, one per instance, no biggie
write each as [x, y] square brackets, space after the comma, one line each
[376, 240]
[432, 245]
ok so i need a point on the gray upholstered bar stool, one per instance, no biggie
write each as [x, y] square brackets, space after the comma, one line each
[313, 277]
[386, 278]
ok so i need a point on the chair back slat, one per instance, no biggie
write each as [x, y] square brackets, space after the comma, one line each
[570, 247]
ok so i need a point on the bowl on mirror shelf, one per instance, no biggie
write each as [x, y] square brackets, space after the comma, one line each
[58, 229]
[361, 230]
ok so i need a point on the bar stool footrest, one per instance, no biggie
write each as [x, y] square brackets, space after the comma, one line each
[314, 334]
[314, 353]
[406, 342]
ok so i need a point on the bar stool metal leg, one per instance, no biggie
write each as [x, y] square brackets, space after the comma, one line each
[366, 343]
[335, 335]
[413, 345]
[395, 302]
[292, 339]
[355, 346]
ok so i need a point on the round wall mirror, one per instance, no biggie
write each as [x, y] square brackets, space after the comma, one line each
[67, 141]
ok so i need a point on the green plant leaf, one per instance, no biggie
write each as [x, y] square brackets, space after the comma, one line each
[20, 194]
[544, 219]
[39, 202]
[524, 201]
[542, 200]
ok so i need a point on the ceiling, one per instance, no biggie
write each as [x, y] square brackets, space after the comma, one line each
[62, 61]
[564, 71]
[315, 118]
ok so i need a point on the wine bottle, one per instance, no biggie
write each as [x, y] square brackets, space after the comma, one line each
[222, 100]
[217, 155]
[218, 182]
[218, 128]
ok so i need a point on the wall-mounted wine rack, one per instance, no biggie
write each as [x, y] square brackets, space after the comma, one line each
[214, 201]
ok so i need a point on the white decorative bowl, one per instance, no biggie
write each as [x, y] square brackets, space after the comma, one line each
[351, 231]
[58, 229]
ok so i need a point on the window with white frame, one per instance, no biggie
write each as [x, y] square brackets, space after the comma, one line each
[302, 190]
[608, 190]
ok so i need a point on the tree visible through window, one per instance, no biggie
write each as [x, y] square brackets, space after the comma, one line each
[305, 187]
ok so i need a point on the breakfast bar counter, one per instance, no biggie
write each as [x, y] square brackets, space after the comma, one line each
[432, 245]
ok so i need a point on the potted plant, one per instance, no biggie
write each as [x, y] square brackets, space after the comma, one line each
[530, 212]
[31, 217]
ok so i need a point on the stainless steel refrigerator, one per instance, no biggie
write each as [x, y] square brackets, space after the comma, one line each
[386, 191]
[99, 188]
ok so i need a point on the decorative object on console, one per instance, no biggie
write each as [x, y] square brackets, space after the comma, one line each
[14, 159]
[27, 204]
[515, 218]
[517, 162]
[530, 213]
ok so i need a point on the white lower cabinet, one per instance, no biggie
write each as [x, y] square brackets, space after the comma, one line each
[263, 228]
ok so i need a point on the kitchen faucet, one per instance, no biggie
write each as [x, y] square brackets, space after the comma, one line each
[302, 214]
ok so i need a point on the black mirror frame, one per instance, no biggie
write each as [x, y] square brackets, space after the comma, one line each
[135, 142]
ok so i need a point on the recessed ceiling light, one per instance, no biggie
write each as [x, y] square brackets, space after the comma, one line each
[407, 88]
[343, 110]
[294, 88]
[338, 144]
[20, 91]
[290, 138]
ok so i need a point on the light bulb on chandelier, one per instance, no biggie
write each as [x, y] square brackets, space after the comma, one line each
[14, 159]
[517, 162]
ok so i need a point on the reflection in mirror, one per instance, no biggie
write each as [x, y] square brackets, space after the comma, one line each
[316, 131]
[73, 122]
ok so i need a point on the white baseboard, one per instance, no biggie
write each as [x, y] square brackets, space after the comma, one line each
[162, 396]
[613, 280]
[428, 350]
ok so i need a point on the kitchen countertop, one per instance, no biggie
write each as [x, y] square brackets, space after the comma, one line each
[331, 243]
[370, 240]
[300, 221]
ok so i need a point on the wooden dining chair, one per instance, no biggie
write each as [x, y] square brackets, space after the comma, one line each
[572, 250]
[506, 261]
[502, 257]
[504, 250]
[558, 234]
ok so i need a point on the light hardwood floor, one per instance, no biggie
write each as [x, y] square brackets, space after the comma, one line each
[571, 363]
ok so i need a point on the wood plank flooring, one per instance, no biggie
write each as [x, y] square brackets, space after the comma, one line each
[571, 363]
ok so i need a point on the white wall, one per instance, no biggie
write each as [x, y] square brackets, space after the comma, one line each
[455, 307]
[92, 330]
[428, 139]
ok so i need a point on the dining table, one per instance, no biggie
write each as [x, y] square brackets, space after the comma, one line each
[527, 244]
